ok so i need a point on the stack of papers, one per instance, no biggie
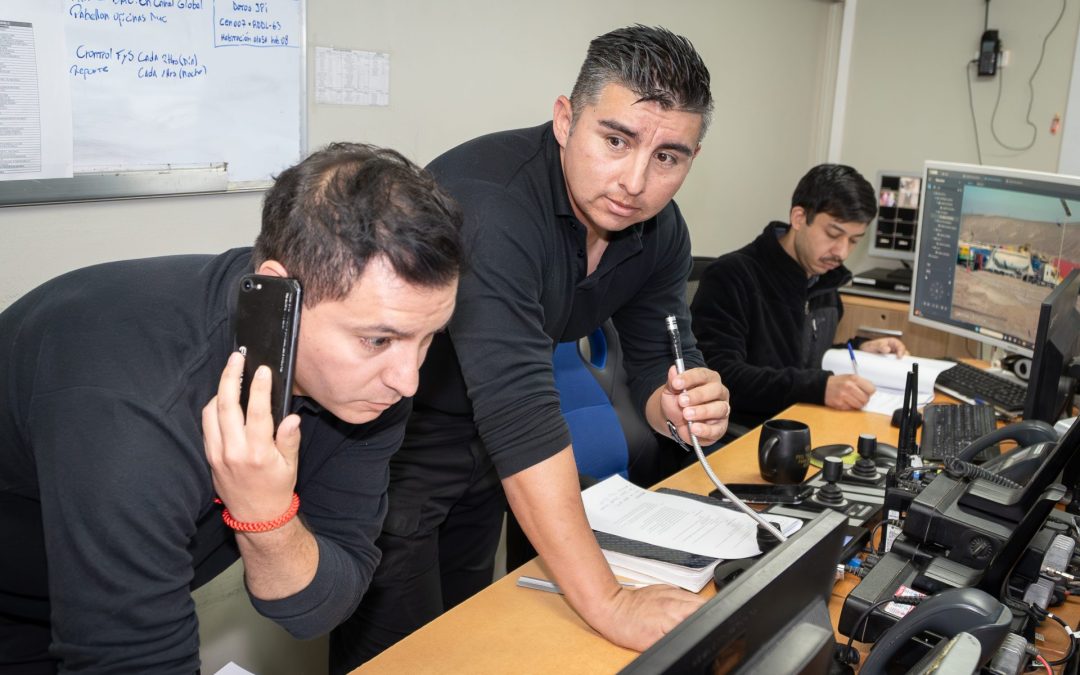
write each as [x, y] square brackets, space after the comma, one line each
[676, 539]
[889, 374]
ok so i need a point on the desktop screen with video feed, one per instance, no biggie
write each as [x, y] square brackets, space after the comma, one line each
[993, 243]
[898, 215]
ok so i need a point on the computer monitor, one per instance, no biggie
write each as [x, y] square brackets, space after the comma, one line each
[774, 618]
[993, 243]
[893, 232]
[1057, 343]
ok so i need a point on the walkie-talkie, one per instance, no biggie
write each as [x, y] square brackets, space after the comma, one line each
[989, 48]
[898, 492]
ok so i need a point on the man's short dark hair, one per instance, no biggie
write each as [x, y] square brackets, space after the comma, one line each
[654, 63]
[327, 216]
[837, 190]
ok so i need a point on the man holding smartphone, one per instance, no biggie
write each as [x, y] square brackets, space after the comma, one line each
[568, 223]
[122, 489]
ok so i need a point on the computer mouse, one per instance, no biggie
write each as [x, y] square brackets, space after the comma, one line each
[885, 454]
[899, 412]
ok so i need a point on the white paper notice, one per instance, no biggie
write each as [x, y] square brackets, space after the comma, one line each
[35, 102]
[619, 507]
[351, 77]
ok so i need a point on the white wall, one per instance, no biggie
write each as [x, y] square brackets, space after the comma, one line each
[469, 67]
[908, 98]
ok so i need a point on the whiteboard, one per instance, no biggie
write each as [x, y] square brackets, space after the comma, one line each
[177, 96]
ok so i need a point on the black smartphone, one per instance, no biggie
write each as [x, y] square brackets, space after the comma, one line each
[266, 327]
[767, 493]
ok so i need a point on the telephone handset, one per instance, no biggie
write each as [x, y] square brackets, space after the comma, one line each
[1025, 433]
[1020, 463]
[952, 611]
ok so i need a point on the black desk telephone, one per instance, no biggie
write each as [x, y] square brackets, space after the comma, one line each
[958, 610]
[965, 532]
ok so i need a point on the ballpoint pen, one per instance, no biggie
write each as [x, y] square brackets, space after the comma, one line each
[552, 587]
[854, 363]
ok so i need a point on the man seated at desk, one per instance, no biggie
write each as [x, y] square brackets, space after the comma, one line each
[764, 315]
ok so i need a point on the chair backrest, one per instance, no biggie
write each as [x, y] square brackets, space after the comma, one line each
[700, 263]
[608, 434]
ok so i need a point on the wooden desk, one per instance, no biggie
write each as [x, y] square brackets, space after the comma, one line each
[510, 629]
[877, 313]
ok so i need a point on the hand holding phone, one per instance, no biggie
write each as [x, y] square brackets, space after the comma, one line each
[266, 328]
[253, 463]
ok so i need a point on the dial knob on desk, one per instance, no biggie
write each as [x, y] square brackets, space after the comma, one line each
[865, 470]
[830, 493]
[832, 469]
[867, 446]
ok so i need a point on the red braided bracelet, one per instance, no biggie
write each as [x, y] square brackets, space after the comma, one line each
[264, 526]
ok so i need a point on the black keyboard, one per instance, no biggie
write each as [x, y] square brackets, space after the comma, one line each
[949, 428]
[976, 385]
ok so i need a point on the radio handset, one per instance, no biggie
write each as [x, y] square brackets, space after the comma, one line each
[952, 611]
[1025, 433]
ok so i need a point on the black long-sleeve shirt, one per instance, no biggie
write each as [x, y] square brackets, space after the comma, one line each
[104, 479]
[527, 288]
[764, 328]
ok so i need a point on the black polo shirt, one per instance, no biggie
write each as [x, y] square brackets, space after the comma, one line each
[104, 481]
[527, 289]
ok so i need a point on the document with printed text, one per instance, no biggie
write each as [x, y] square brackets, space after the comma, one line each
[619, 507]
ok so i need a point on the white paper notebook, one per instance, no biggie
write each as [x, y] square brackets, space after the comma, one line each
[888, 374]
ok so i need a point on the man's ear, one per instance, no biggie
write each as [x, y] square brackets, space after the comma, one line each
[562, 118]
[272, 268]
[798, 217]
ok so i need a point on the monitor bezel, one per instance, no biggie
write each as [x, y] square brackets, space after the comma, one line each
[1004, 172]
[1057, 316]
[818, 543]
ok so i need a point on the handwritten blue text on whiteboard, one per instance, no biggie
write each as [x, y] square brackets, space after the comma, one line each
[185, 83]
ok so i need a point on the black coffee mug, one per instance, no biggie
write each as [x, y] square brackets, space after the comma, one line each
[784, 451]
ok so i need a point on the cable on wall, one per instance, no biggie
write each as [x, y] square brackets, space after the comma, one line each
[1031, 90]
[997, 101]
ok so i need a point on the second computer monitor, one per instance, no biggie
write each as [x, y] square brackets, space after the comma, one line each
[894, 229]
[993, 243]
[1056, 345]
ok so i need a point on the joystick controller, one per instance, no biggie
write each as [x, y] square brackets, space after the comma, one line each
[864, 471]
[830, 495]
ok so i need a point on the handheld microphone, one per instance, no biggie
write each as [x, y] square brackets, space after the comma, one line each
[680, 367]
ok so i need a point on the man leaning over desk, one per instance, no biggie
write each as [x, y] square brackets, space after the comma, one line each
[764, 315]
[111, 458]
[567, 223]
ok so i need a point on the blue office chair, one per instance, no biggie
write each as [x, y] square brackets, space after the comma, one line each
[608, 435]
